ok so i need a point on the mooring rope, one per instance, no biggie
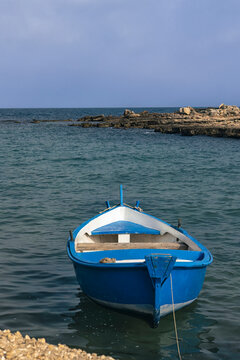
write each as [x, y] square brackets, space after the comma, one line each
[174, 320]
[112, 207]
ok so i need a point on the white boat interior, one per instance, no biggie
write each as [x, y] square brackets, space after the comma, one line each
[127, 228]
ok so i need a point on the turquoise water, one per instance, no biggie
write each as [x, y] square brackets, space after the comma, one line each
[53, 177]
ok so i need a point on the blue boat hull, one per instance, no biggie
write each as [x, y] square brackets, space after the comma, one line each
[130, 286]
[130, 260]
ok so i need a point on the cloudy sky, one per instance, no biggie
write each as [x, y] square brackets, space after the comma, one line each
[97, 53]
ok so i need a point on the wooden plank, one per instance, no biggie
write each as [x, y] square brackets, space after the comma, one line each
[119, 246]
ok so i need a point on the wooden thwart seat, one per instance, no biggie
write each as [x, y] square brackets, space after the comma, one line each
[120, 246]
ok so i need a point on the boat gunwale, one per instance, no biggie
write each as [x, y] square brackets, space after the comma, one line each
[75, 257]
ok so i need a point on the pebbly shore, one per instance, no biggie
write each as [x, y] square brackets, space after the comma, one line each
[14, 346]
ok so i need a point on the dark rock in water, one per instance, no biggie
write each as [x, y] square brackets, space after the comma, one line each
[92, 118]
[98, 118]
[34, 121]
[85, 118]
[103, 125]
[86, 125]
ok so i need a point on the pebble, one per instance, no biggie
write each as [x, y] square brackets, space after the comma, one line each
[13, 346]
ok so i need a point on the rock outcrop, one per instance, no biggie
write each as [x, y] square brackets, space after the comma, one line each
[219, 122]
[186, 110]
[223, 121]
[130, 114]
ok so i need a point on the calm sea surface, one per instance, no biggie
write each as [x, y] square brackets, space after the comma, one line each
[53, 177]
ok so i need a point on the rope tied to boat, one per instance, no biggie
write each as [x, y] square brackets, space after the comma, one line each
[114, 206]
[174, 320]
[109, 208]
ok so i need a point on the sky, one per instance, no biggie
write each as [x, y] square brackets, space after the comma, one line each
[119, 53]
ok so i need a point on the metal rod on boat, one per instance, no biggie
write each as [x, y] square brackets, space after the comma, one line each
[121, 195]
[179, 223]
[71, 235]
[108, 204]
[137, 204]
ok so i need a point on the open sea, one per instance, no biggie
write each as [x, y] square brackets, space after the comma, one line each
[54, 176]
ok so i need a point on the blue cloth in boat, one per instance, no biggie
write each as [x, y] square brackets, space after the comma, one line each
[124, 227]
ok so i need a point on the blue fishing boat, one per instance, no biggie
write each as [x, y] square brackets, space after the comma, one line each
[129, 260]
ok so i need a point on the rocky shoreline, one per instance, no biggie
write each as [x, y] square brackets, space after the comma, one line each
[223, 121]
[15, 346]
[219, 122]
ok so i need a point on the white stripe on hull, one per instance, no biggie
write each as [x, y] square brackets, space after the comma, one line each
[144, 308]
[143, 260]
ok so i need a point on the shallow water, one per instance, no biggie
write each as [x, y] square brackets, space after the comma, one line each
[53, 177]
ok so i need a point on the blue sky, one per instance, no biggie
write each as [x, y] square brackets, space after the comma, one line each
[97, 53]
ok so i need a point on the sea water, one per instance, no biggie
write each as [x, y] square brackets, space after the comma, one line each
[53, 177]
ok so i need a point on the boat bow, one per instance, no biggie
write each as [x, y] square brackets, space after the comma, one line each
[159, 268]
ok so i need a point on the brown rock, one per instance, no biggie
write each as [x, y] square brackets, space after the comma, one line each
[85, 118]
[128, 112]
[134, 115]
[86, 125]
[103, 125]
[223, 121]
[229, 109]
[144, 113]
[186, 110]
[214, 112]
[98, 118]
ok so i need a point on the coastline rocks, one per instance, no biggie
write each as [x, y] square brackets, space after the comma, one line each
[134, 115]
[92, 118]
[144, 113]
[223, 121]
[15, 346]
[130, 114]
[219, 122]
[216, 131]
[229, 110]
[186, 110]
[213, 112]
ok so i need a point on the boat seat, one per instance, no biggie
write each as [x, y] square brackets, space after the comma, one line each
[121, 246]
[124, 227]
